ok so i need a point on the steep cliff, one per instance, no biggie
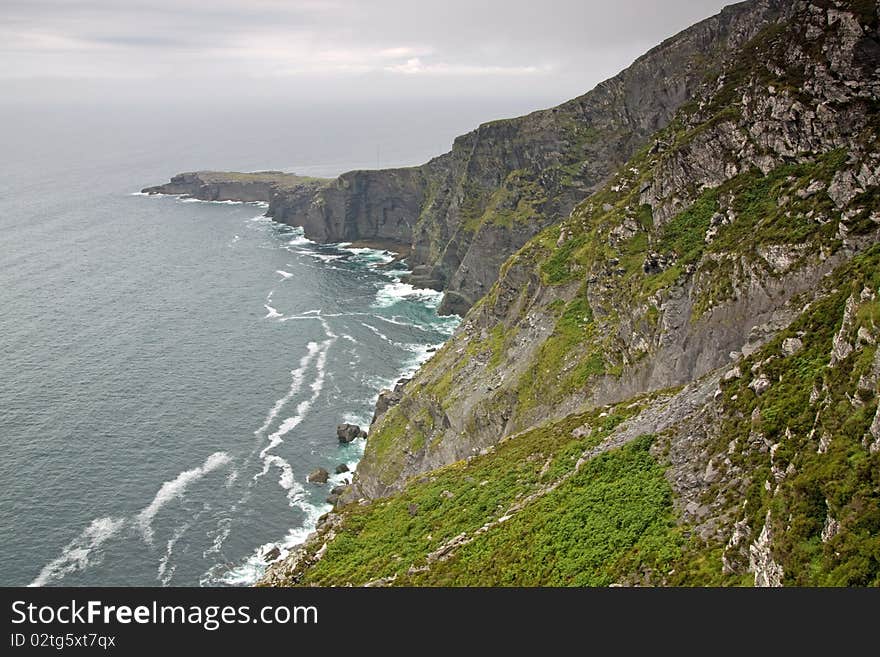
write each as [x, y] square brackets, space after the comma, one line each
[464, 213]
[678, 383]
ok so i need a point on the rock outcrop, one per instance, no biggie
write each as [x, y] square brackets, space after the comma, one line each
[262, 186]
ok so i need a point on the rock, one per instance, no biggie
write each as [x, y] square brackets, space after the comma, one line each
[318, 476]
[388, 399]
[447, 495]
[732, 374]
[865, 337]
[413, 510]
[349, 432]
[760, 385]
[333, 499]
[338, 490]
[791, 346]
[840, 347]
[342, 468]
[768, 573]
[272, 554]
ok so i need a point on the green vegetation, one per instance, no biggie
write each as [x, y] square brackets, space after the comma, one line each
[386, 537]
[844, 479]
[519, 200]
[613, 518]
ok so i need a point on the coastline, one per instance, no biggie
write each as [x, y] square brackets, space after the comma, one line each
[396, 253]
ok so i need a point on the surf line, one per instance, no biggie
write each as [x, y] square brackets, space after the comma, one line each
[86, 549]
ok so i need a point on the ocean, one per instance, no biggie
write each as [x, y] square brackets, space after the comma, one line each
[171, 370]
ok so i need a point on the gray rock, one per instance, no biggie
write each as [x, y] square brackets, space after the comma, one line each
[791, 346]
[342, 468]
[347, 433]
[760, 385]
[318, 476]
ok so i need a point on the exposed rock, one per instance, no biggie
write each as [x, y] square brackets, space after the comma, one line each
[272, 554]
[263, 186]
[732, 374]
[874, 431]
[318, 476]
[342, 468]
[832, 526]
[349, 432]
[791, 346]
[760, 385]
[733, 559]
[840, 347]
[767, 572]
[388, 399]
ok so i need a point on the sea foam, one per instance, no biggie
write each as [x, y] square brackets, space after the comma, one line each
[176, 488]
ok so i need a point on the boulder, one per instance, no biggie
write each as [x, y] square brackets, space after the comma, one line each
[342, 468]
[318, 476]
[349, 432]
[791, 346]
[272, 554]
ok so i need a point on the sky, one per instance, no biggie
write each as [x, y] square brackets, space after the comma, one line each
[328, 49]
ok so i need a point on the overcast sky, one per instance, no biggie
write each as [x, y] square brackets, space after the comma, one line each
[333, 48]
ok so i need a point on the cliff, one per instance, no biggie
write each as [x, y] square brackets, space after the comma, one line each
[464, 213]
[263, 186]
[676, 384]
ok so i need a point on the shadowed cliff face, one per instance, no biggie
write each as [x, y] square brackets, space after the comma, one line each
[466, 212]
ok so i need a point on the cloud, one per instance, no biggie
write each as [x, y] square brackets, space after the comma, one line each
[565, 46]
[415, 66]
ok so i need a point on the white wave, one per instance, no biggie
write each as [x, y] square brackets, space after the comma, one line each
[398, 321]
[166, 571]
[379, 333]
[296, 380]
[394, 292]
[272, 313]
[326, 257]
[176, 488]
[284, 274]
[302, 409]
[141, 194]
[78, 554]
[253, 566]
[371, 257]
[224, 528]
[261, 218]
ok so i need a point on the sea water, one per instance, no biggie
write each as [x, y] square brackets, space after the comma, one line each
[171, 370]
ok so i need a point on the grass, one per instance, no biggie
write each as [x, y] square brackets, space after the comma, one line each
[386, 537]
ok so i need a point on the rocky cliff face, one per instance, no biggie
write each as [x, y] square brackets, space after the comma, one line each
[677, 384]
[465, 212]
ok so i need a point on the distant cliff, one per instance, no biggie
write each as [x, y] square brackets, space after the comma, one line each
[264, 186]
[464, 213]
